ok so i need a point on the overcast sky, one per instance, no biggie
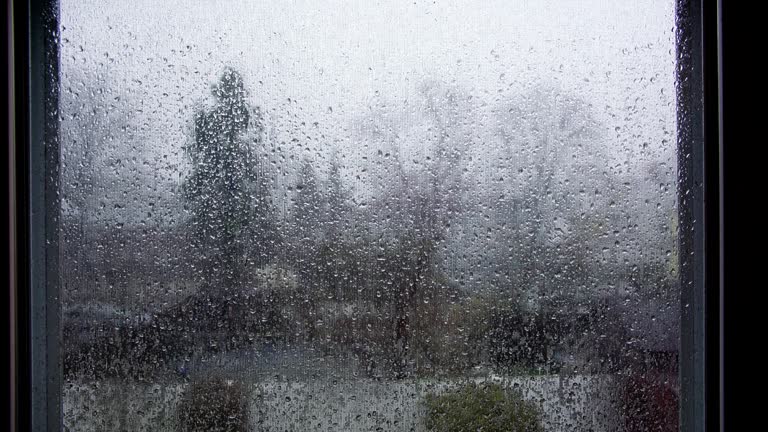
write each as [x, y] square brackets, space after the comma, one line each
[326, 62]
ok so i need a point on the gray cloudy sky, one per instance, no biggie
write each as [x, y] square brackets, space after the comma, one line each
[333, 59]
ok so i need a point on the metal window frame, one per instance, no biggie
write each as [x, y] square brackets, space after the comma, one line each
[36, 401]
[33, 208]
[699, 116]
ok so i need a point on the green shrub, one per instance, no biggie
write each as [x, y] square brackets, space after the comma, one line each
[482, 407]
[214, 405]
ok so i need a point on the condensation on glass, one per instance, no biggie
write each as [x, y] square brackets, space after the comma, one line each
[369, 216]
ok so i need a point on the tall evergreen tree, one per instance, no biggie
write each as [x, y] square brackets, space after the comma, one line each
[219, 191]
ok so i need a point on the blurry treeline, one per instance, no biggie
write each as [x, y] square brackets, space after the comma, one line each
[441, 244]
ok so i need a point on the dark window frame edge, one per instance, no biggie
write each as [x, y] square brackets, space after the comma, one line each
[37, 352]
[700, 208]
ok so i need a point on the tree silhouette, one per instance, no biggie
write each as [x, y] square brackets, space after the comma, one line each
[222, 192]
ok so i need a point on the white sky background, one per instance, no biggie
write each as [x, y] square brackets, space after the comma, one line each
[618, 56]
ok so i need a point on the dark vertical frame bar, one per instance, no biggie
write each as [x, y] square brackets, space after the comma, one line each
[22, 393]
[721, 216]
[699, 209]
[690, 210]
[9, 96]
[37, 175]
[713, 210]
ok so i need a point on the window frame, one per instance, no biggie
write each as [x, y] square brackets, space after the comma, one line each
[36, 396]
[699, 151]
[35, 331]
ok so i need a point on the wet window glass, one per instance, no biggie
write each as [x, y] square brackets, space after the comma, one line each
[393, 216]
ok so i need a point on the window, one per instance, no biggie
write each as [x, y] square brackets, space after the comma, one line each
[354, 216]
